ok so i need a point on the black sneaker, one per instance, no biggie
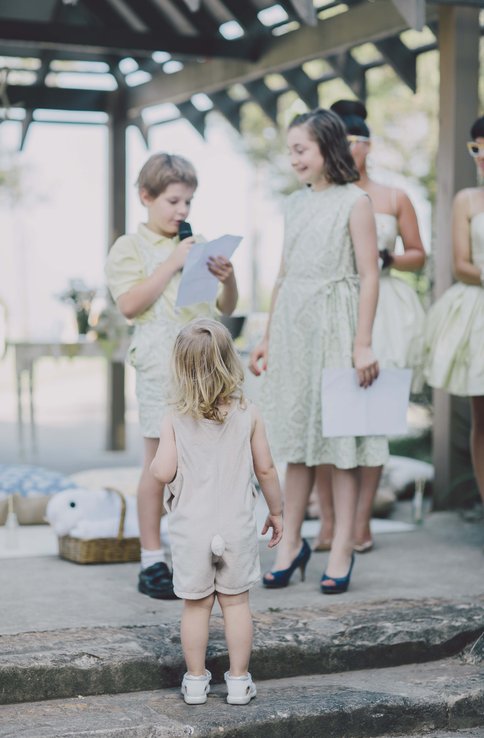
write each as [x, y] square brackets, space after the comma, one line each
[157, 581]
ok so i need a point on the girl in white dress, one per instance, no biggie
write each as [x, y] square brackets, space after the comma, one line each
[455, 325]
[398, 330]
[211, 446]
[322, 311]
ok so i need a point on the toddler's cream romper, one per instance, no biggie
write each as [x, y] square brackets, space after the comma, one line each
[213, 495]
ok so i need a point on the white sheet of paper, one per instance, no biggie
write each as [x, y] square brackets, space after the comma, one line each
[197, 284]
[351, 410]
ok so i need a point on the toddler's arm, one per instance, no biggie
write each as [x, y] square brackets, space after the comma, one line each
[164, 465]
[267, 477]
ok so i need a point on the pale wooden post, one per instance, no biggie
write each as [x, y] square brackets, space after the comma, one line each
[459, 72]
[116, 427]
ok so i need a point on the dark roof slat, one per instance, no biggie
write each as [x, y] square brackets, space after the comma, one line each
[264, 97]
[149, 14]
[29, 116]
[402, 59]
[229, 108]
[350, 71]
[104, 13]
[194, 116]
[201, 19]
[306, 88]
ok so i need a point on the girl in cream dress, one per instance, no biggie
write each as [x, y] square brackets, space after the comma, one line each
[398, 329]
[455, 325]
[322, 311]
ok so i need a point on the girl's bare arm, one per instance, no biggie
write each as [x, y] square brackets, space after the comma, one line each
[260, 352]
[363, 235]
[413, 258]
[464, 270]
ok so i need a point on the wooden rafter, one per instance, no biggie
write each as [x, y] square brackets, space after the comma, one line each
[402, 59]
[125, 42]
[264, 97]
[306, 88]
[362, 23]
[350, 71]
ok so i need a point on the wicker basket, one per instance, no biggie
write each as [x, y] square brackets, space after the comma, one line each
[102, 550]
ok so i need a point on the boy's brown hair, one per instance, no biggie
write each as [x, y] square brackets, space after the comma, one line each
[162, 170]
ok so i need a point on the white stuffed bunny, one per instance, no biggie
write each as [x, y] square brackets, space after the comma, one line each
[87, 514]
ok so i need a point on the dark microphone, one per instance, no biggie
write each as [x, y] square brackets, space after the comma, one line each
[184, 230]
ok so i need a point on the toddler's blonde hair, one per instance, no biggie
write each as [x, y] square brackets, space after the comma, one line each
[206, 369]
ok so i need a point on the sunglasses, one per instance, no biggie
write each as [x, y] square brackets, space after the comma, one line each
[475, 149]
[356, 139]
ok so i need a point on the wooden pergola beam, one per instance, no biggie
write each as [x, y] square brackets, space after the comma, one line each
[122, 41]
[360, 24]
[56, 98]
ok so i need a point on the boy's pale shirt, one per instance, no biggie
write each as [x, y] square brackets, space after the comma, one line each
[125, 269]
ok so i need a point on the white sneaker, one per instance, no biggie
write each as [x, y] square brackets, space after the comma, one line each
[240, 689]
[196, 688]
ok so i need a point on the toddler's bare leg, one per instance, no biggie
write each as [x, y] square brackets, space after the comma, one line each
[238, 630]
[194, 633]
[150, 500]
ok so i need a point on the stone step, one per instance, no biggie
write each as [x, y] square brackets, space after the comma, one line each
[470, 733]
[291, 642]
[424, 699]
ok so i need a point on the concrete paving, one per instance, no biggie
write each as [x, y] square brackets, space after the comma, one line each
[443, 559]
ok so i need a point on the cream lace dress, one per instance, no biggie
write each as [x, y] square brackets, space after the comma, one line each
[455, 331]
[313, 326]
[398, 330]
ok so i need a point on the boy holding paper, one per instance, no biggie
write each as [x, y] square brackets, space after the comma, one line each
[143, 273]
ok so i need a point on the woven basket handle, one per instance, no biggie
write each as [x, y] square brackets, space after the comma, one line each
[122, 516]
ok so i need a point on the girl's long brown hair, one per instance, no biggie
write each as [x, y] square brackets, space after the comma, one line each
[327, 129]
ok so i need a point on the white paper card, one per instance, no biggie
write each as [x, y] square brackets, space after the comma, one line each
[197, 283]
[378, 410]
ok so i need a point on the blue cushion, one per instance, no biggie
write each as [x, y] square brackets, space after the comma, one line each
[27, 480]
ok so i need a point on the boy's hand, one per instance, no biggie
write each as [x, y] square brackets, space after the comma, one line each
[179, 255]
[220, 267]
[274, 522]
